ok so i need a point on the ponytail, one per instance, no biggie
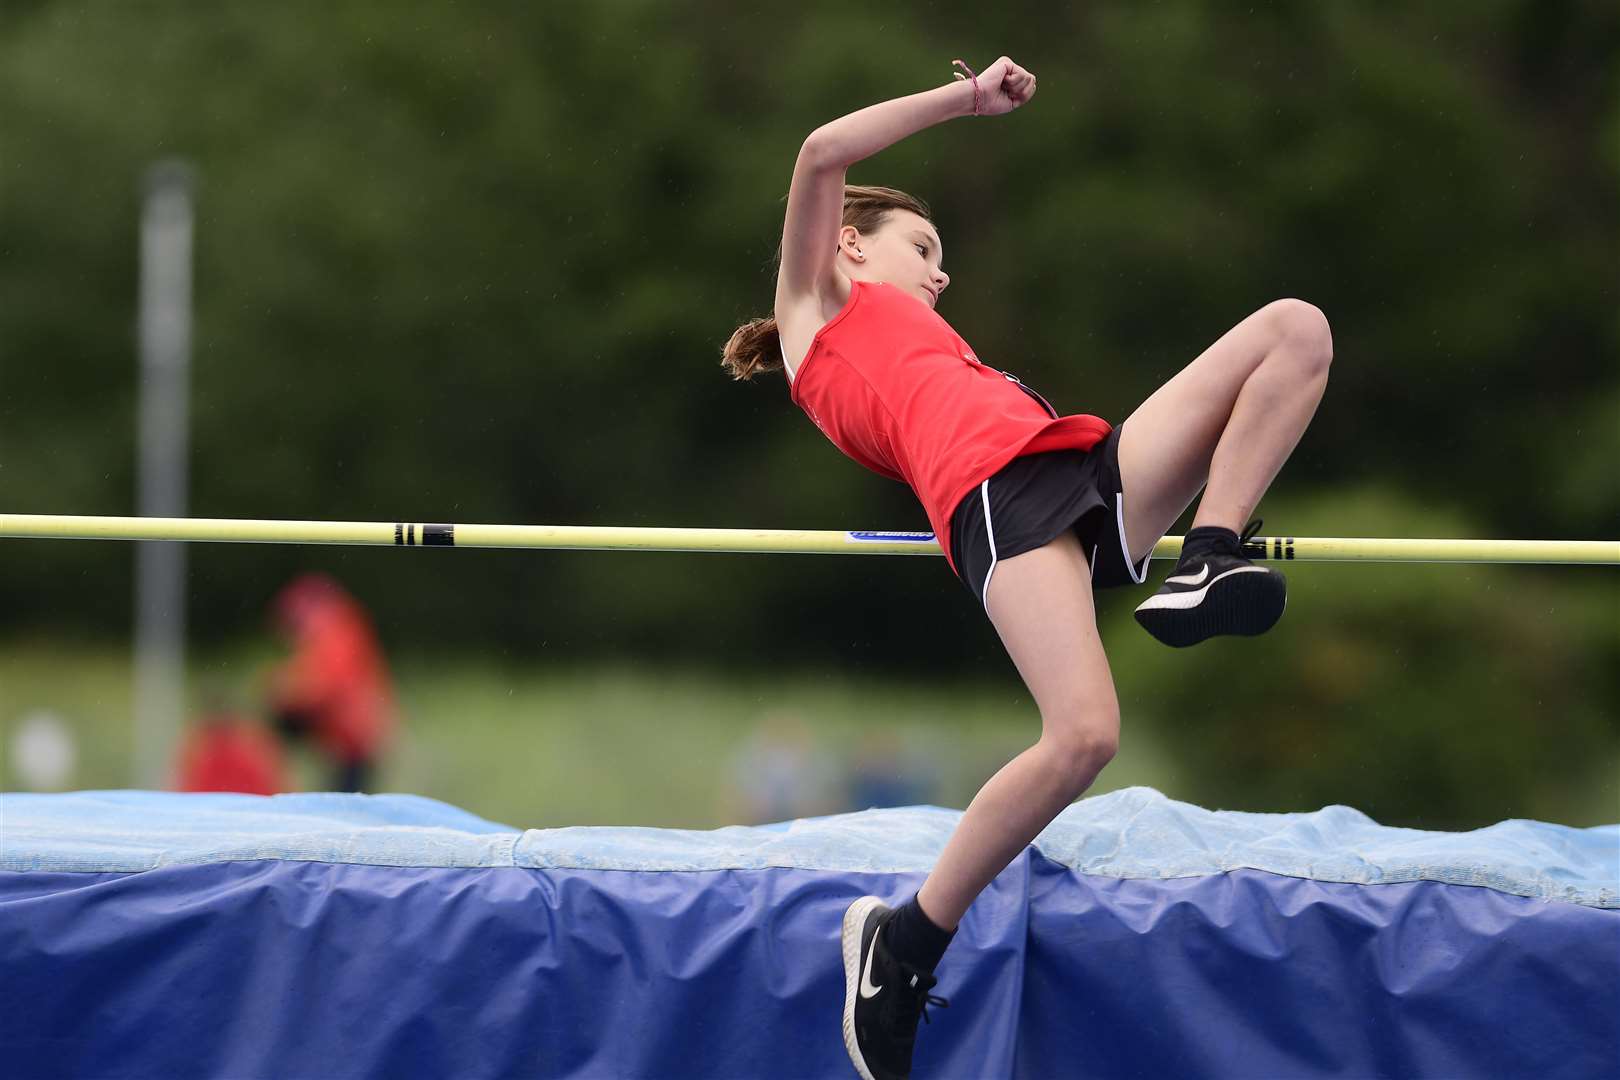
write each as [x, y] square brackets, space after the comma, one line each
[755, 347]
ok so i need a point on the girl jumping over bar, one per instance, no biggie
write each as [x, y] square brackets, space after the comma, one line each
[1033, 510]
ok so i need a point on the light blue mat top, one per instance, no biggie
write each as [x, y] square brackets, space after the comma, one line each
[1133, 833]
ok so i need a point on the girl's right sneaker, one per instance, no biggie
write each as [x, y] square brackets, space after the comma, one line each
[1215, 590]
[883, 996]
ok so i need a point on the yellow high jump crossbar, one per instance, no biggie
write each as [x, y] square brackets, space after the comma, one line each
[803, 541]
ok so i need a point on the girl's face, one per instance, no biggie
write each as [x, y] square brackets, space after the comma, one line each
[904, 252]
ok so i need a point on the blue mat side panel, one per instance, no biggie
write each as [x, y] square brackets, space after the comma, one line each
[284, 968]
[1252, 974]
[252, 969]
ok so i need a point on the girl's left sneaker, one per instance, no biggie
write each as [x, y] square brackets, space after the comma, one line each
[1215, 591]
[883, 997]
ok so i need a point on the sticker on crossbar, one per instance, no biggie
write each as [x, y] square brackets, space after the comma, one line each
[890, 537]
[1269, 547]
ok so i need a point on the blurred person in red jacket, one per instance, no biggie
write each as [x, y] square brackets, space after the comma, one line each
[226, 751]
[335, 687]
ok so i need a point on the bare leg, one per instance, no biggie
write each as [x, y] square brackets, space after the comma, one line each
[1229, 419]
[1040, 603]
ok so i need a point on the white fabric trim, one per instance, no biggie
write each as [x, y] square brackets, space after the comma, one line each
[781, 348]
[1124, 548]
[990, 532]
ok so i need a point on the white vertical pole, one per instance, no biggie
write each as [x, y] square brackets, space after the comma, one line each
[160, 587]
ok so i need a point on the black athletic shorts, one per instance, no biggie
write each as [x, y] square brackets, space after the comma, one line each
[1032, 500]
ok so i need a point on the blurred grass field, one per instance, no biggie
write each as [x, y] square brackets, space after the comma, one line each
[1429, 696]
[607, 744]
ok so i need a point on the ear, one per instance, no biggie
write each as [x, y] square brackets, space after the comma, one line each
[849, 242]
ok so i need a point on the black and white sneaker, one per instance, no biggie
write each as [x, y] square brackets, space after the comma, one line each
[883, 997]
[1215, 592]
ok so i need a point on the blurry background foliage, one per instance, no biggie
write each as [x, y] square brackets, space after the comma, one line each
[475, 263]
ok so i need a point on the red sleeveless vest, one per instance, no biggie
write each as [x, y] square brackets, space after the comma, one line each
[897, 390]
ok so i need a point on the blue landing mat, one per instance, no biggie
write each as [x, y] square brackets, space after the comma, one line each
[153, 934]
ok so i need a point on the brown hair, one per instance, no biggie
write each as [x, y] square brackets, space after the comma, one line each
[756, 345]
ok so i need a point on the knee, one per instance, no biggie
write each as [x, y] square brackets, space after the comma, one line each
[1304, 329]
[1085, 741]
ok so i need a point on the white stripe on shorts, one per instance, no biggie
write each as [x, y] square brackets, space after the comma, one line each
[984, 593]
[1124, 549]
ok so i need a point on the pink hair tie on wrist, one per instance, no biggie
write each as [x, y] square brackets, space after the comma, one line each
[958, 75]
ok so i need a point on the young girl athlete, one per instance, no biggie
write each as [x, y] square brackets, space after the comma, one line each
[1033, 510]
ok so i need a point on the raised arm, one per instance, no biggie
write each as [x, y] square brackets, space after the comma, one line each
[816, 197]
